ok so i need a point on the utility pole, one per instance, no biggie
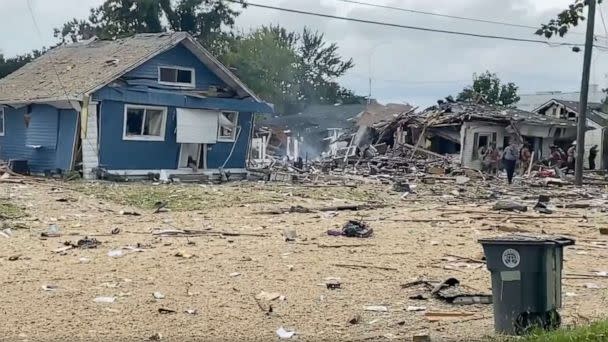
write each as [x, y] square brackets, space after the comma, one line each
[582, 110]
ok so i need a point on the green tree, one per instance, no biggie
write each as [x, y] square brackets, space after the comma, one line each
[204, 19]
[9, 65]
[288, 69]
[565, 20]
[488, 87]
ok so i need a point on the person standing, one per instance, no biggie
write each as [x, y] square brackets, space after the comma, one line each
[524, 158]
[592, 156]
[510, 155]
[494, 159]
[571, 161]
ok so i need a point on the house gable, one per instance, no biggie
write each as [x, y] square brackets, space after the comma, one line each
[179, 56]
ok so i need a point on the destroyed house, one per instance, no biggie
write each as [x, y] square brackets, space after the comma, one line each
[316, 129]
[466, 127]
[597, 119]
[131, 106]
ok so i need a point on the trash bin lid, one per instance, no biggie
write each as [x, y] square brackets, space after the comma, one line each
[519, 239]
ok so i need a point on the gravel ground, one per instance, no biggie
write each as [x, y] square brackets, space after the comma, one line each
[49, 296]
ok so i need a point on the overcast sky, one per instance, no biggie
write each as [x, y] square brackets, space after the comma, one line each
[405, 65]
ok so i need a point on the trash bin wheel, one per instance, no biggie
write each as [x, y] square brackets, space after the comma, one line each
[527, 322]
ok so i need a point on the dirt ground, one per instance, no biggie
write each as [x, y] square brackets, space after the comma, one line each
[49, 296]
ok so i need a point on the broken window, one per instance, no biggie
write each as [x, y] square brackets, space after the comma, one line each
[227, 126]
[482, 142]
[144, 123]
[176, 76]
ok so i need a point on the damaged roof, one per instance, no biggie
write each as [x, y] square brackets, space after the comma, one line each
[71, 71]
[451, 112]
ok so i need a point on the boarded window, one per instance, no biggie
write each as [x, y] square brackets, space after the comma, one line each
[197, 126]
[227, 126]
[176, 76]
[144, 123]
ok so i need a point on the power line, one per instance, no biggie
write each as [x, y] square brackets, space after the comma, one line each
[486, 21]
[417, 28]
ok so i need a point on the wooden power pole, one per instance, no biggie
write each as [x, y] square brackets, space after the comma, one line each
[582, 110]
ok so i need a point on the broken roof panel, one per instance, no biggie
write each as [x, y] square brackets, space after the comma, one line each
[467, 111]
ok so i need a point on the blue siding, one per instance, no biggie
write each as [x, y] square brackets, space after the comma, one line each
[147, 73]
[49, 127]
[68, 120]
[119, 154]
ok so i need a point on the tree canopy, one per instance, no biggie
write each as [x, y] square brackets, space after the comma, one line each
[8, 65]
[565, 20]
[487, 86]
[289, 69]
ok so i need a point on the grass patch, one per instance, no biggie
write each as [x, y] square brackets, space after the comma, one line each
[594, 332]
[589, 333]
[187, 197]
[10, 211]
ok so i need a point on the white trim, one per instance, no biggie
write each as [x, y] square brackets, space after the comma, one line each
[145, 137]
[89, 144]
[192, 83]
[208, 172]
[219, 126]
[3, 121]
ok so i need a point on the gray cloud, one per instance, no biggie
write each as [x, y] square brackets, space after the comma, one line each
[406, 65]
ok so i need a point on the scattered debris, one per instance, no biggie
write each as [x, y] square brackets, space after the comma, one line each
[87, 243]
[356, 319]
[51, 231]
[509, 206]
[107, 300]
[333, 284]
[155, 337]
[160, 206]
[165, 311]
[604, 230]
[415, 308]
[451, 292]
[352, 228]
[158, 295]
[115, 253]
[14, 257]
[376, 308]
[289, 234]
[191, 311]
[115, 231]
[7, 233]
[421, 338]
[285, 334]
[268, 296]
[129, 213]
[234, 274]
[182, 254]
[50, 287]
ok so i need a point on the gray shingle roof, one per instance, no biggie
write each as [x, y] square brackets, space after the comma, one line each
[77, 69]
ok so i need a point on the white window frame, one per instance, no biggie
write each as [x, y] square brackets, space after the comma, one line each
[234, 131]
[192, 83]
[144, 137]
[3, 121]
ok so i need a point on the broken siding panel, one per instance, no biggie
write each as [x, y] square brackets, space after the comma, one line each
[180, 56]
[48, 129]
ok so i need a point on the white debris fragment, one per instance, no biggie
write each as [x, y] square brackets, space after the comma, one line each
[106, 300]
[285, 334]
[158, 295]
[376, 308]
[416, 308]
[116, 253]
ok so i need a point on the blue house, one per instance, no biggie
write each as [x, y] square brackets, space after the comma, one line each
[147, 103]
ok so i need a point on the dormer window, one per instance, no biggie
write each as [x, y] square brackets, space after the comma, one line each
[176, 76]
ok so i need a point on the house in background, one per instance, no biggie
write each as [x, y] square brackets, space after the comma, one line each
[465, 127]
[131, 106]
[597, 120]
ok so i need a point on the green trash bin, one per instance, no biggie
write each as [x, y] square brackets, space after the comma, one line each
[526, 281]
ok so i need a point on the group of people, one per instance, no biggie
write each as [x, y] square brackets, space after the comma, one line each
[496, 159]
